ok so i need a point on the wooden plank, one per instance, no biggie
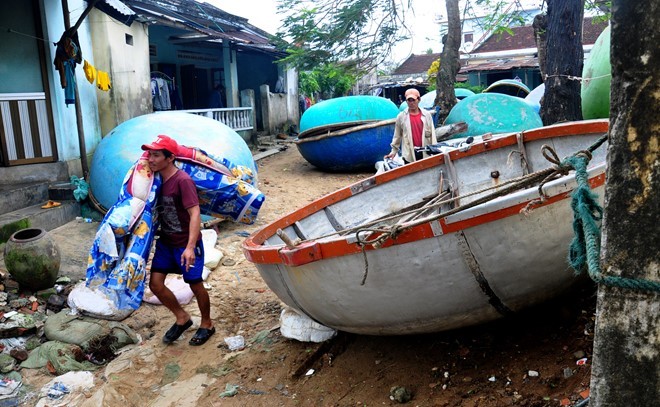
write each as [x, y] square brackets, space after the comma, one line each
[266, 153]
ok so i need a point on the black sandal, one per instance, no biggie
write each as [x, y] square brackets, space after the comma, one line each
[175, 331]
[201, 336]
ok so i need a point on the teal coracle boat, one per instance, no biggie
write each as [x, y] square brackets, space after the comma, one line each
[494, 113]
[511, 87]
[596, 79]
[348, 133]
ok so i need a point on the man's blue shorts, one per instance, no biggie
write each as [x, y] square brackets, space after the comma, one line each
[167, 260]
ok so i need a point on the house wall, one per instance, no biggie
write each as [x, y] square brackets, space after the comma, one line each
[21, 69]
[65, 117]
[528, 76]
[123, 52]
[182, 54]
[256, 69]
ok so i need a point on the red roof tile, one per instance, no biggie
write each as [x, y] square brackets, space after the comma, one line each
[416, 64]
[523, 37]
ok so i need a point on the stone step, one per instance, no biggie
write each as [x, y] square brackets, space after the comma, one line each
[17, 196]
[36, 217]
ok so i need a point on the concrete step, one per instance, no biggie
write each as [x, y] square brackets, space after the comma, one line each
[17, 196]
[36, 217]
[61, 191]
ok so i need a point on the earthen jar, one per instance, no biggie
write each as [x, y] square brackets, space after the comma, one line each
[32, 259]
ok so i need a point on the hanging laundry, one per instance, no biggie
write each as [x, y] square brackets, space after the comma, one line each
[161, 96]
[67, 49]
[90, 72]
[154, 88]
[103, 80]
[70, 88]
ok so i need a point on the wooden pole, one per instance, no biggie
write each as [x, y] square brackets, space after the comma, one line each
[69, 31]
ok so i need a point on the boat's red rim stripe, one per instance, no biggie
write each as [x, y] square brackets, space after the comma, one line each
[314, 251]
[257, 253]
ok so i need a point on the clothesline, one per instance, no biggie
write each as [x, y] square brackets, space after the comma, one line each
[162, 74]
[577, 78]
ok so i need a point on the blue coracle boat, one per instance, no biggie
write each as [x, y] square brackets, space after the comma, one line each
[348, 133]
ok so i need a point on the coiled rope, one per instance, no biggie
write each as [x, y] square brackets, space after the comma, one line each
[584, 250]
[559, 169]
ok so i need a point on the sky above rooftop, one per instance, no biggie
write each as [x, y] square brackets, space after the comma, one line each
[421, 20]
[263, 14]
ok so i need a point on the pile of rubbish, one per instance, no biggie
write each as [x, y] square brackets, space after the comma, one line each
[46, 329]
[38, 330]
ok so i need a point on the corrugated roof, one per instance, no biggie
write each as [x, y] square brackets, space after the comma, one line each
[523, 37]
[500, 65]
[203, 18]
[117, 10]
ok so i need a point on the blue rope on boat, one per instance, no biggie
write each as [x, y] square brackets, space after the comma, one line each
[584, 251]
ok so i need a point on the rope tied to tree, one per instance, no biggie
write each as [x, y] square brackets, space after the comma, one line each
[584, 250]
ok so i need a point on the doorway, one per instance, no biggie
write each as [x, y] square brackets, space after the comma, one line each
[195, 87]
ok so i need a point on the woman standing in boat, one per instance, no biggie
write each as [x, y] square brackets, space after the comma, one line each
[413, 128]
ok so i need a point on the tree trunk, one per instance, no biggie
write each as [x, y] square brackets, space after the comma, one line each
[445, 96]
[564, 61]
[540, 26]
[626, 360]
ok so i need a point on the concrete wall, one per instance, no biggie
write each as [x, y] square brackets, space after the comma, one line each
[247, 100]
[65, 117]
[293, 108]
[123, 52]
[274, 110]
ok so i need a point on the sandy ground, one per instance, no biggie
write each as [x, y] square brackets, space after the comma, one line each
[488, 365]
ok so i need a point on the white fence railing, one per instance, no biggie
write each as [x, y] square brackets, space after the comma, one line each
[237, 118]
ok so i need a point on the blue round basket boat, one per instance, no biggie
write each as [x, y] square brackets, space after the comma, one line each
[347, 134]
[120, 149]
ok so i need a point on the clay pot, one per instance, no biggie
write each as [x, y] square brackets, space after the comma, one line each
[32, 259]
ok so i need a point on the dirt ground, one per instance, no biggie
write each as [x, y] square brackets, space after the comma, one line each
[528, 360]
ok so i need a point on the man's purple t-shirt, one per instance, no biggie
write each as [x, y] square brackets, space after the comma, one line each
[178, 194]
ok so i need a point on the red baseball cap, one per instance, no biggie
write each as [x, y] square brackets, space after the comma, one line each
[163, 142]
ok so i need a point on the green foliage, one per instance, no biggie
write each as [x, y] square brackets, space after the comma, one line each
[330, 80]
[307, 83]
[316, 32]
[604, 8]
[475, 89]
